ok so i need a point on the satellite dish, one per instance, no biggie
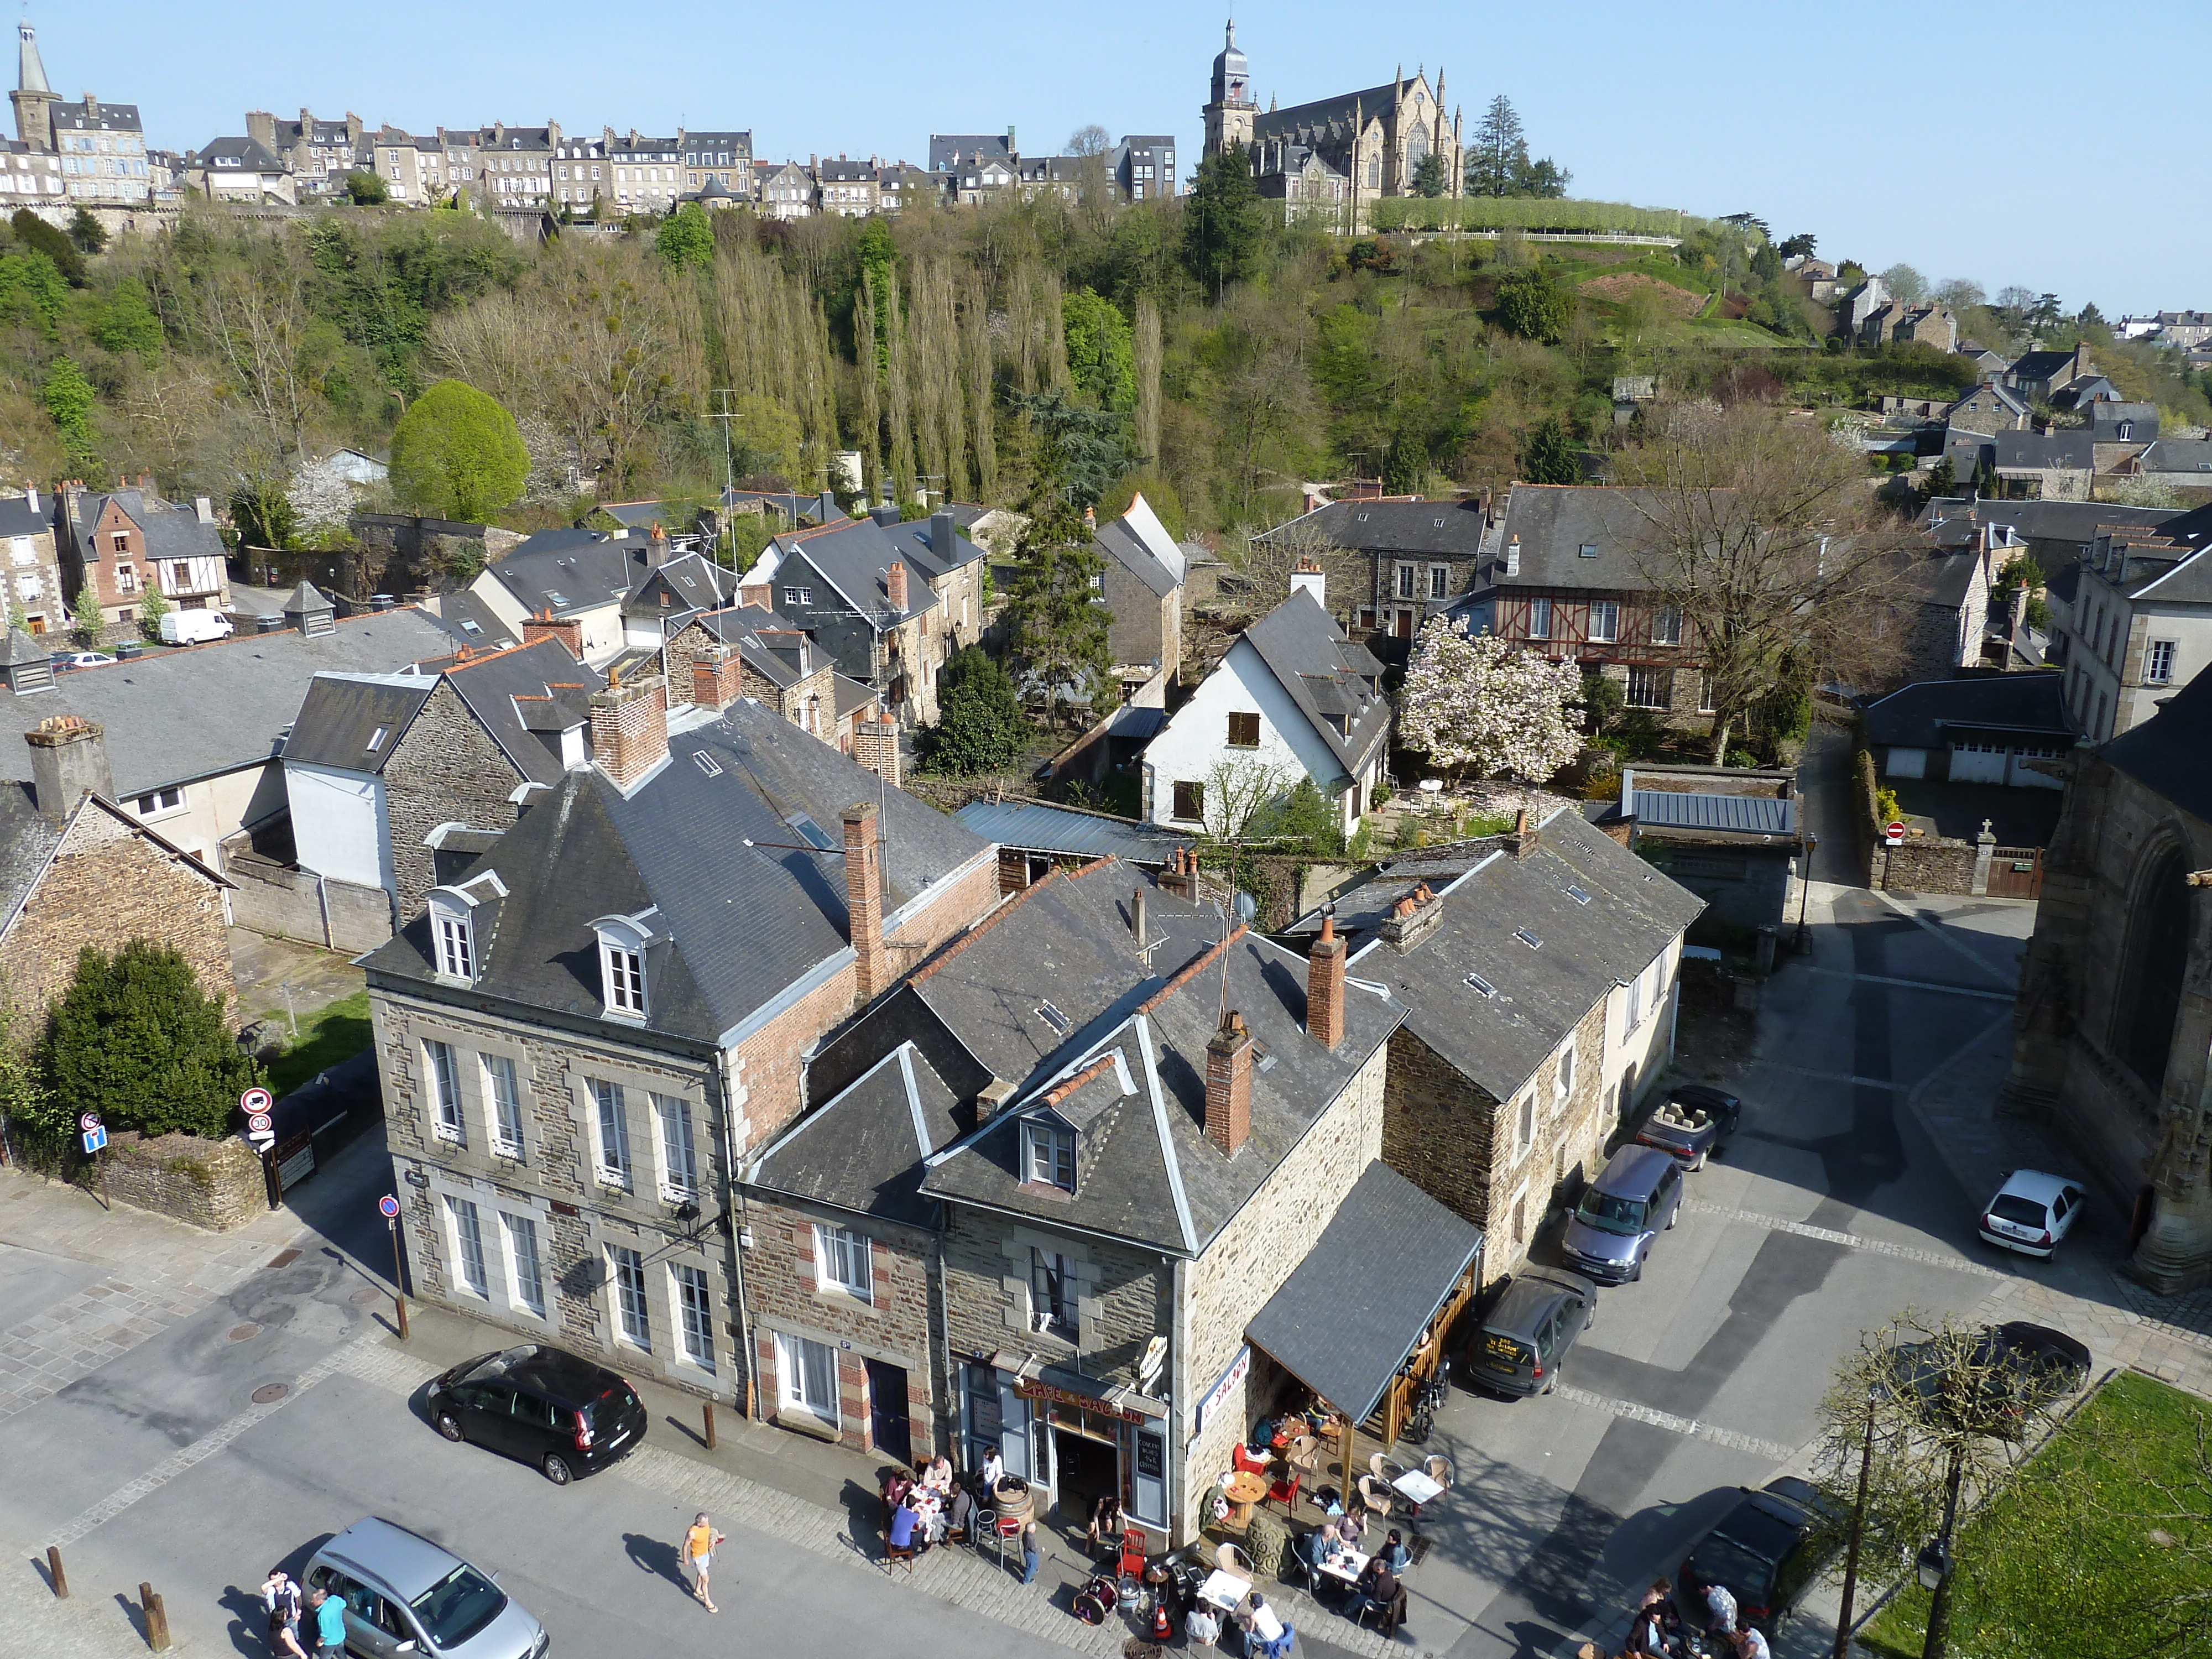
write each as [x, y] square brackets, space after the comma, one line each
[1246, 907]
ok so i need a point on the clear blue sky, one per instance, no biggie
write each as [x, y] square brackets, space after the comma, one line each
[2008, 141]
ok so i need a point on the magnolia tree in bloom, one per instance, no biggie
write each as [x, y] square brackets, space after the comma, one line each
[1476, 703]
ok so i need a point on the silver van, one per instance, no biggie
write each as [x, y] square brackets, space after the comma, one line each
[1622, 1212]
[404, 1595]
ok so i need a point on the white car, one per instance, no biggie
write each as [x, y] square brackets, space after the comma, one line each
[2031, 1212]
[83, 660]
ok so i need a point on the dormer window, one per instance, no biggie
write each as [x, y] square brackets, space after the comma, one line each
[623, 943]
[1048, 1155]
[456, 944]
[453, 946]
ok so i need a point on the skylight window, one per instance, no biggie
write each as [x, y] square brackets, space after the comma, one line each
[376, 738]
[1528, 939]
[556, 596]
[1576, 894]
[1052, 1017]
[1481, 986]
[706, 762]
[471, 628]
[813, 834]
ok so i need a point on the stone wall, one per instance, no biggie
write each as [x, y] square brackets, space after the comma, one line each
[215, 1184]
[1124, 1296]
[1927, 863]
[106, 885]
[446, 769]
[282, 903]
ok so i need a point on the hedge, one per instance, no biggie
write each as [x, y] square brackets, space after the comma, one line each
[1527, 213]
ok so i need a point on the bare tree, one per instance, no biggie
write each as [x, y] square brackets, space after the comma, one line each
[1091, 140]
[1761, 533]
[1238, 789]
[1258, 577]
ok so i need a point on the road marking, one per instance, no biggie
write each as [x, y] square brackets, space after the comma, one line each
[199, 1451]
[1826, 1076]
[1919, 985]
[1688, 1427]
[1851, 1241]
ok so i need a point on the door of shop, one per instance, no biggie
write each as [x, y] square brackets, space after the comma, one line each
[888, 1422]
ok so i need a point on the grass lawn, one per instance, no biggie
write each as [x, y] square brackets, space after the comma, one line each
[2075, 1557]
[331, 1034]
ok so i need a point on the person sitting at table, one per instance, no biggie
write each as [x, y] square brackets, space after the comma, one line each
[1202, 1625]
[1352, 1527]
[1395, 1552]
[1377, 1587]
[937, 1477]
[903, 1522]
[963, 1512]
[1258, 1622]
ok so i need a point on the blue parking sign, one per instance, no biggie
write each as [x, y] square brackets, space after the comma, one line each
[95, 1138]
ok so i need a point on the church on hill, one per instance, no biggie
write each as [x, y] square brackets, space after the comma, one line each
[1331, 157]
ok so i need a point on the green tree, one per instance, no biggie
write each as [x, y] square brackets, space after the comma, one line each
[1303, 813]
[1102, 359]
[1543, 179]
[686, 239]
[87, 232]
[1500, 150]
[1224, 222]
[126, 321]
[1431, 178]
[67, 398]
[368, 188]
[134, 1039]
[456, 454]
[1530, 304]
[35, 234]
[979, 726]
[1080, 451]
[32, 290]
[1547, 457]
[1058, 624]
[262, 510]
[91, 621]
[152, 605]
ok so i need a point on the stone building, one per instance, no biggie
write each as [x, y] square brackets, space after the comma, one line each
[122, 542]
[1539, 976]
[317, 154]
[102, 146]
[1377, 139]
[34, 581]
[1420, 559]
[2114, 1020]
[597, 1018]
[78, 870]
[1143, 587]
[2133, 623]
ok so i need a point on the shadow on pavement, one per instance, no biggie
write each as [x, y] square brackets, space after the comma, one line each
[656, 1556]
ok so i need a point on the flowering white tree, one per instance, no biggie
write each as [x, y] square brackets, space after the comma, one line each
[1477, 703]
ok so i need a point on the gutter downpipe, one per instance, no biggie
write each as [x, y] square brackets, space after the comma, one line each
[734, 1216]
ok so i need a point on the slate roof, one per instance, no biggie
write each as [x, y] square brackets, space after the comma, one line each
[568, 571]
[694, 583]
[1317, 663]
[766, 642]
[1037, 827]
[851, 694]
[2071, 451]
[1542, 992]
[2051, 521]
[2171, 753]
[343, 713]
[1453, 528]
[170, 532]
[1916, 716]
[737, 925]
[2177, 455]
[2107, 417]
[239, 155]
[526, 697]
[1555, 522]
[949, 150]
[2188, 580]
[854, 558]
[1351, 1313]
[17, 518]
[916, 542]
[470, 620]
[863, 1151]
[177, 715]
[26, 841]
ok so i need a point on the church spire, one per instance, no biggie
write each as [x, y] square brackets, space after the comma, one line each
[31, 75]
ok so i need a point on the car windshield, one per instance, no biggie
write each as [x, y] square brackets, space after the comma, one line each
[2011, 1206]
[1610, 1214]
[457, 1606]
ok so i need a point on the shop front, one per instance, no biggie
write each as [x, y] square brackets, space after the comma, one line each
[1074, 1439]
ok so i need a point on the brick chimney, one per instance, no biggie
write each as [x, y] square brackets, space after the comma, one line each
[717, 676]
[545, 625]
[864, 900]
[1524, 835]
[894, 585]
[630, 727]
[1325, 987]
[875, 746]
[68, 759]
[1228, 1085]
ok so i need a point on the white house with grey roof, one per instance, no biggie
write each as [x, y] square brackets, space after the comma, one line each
[1294, 698]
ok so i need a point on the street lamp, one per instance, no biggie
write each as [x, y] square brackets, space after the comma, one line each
[1933, 1565]
[1803, 942]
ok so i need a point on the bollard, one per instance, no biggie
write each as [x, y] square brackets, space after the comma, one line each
[157, 1619]
[710, 1426]
[400, 1302]
[60, 1578]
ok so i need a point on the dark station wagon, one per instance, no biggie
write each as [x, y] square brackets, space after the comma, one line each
[1519, 1344]
[552, 1409]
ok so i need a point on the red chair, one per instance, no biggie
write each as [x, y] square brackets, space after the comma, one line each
[1285, 1491]
[1132, 1565]
[1242, 1459]
[1008, 1531]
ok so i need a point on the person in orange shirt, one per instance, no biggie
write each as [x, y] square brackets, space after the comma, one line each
[699, 1545]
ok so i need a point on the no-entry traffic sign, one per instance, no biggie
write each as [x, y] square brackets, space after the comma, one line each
[389, 1207]
[1894, 831]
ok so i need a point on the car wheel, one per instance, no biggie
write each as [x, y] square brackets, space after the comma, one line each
[556, 1469]
[1672, 1216]
[1552, 1381]
[1699, 1162]
[446, 1424]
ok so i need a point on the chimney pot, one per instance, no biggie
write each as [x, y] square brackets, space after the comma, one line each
[569, 630]
[1228, 1085]
[1137, 916]
[1325, 987]
[1524, 835]
[864, 901]
[1513, 557]
[630, 727]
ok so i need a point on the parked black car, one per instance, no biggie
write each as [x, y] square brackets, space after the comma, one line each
[1767, 1550]
[1691, 1123]
[548, 1407]
[2010, 1371]
[1520, 1342]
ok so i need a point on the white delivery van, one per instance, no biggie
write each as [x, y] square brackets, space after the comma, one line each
[194, 626]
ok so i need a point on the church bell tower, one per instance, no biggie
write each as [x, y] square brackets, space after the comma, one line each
[1229, 117]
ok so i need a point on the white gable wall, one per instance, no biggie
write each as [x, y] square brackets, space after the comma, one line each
[338, 824]
[1189, 746]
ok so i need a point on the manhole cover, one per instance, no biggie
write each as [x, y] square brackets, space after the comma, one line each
[362, 1299]
[245, 1333]
[269, 1392]
[284, 1258]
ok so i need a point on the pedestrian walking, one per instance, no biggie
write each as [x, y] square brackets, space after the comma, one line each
[1031, 1559]
[699, 1546]
[282, 1597]
[330, 1624]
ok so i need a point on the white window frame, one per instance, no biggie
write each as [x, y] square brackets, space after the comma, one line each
[455, 942]
[1667, 625]
[502, 1093]
[525, 1290]
[691, 1296]
[1635, 1011]
[611, 1163]
[1609, 610]
[627, 1295]
[2158, 662]
[791, 1353]
[1539, 611]
[1407, 583]
[1562, 1076]
[442, 1081]
[1047, 1150]
[465, 1232]
[1067, 1325]
[844, 1260]
[678, 1147]
[1524, 1125]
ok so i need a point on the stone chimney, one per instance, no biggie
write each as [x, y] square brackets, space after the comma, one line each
[68, 759]
[875, 746]
[1308, 578]
[546, 626]
[630, 727]
[1412, 919]
[944, 535]
[1325, 987]
[894, 585]
[1136, 917]
[1513, 557]
[1228, 1085]
[261, 127]
[864, 901]
[717, 676]
[1524, 835]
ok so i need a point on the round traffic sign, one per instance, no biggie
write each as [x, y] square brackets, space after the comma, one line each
[258, 1122]
[1895, 827]
[90, 1120]
[255, 1100]
[389, 1207]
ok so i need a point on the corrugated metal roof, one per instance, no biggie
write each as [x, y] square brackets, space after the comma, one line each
[1753, 814]
[1043, 829]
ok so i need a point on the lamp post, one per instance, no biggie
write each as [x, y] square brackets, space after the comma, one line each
[1803, 942]
[1936, 1568]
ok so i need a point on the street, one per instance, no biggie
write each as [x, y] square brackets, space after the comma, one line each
[251, 1403]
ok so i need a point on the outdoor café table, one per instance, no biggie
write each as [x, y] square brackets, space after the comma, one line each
[1346, 1567]
[1416, 1486]
[1224, 1590]
[1245, 1489]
